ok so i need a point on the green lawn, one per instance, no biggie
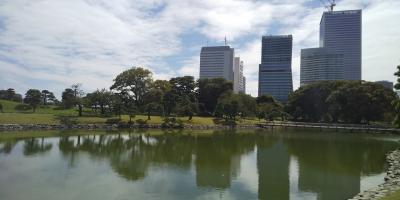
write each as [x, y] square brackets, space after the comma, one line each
[8, 107]
[393, 196]
[48, 115]
[36, 118]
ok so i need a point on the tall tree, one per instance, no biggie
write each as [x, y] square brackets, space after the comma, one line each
[100, 98]
[209, 90]
[33, 97]
[47, 96]
[396, 103]
[78, 94]
[134, 82]
[68, 98]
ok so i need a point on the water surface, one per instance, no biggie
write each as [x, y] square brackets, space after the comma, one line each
[221, 165]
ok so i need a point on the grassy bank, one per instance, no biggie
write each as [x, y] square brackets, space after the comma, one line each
[393, 196]
[49, 114]
[35, 118]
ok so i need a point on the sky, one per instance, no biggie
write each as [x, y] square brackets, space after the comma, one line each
[52, 44]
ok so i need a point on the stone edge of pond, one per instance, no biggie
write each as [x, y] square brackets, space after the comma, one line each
[392, 180]
[24, 127]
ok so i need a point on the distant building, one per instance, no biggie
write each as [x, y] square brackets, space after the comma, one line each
[341, 31]
[339, 55]
[275, 70]
[244, 85]
[217, 62]
[238, 75]
[319, 64]
[386, 84]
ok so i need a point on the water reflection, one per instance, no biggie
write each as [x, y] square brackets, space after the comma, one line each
[329, 165]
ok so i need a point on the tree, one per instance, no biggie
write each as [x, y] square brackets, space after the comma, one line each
[247, 106]
[228, 106]
[396, 103]
[357, 102]
[33, 97]
[10, 95]
[100, 98]
[68, 98]
[311, 100]
[135, 82]
[182, 96]
[209, 90]
[268, 108]
[47, 97]
[153, 100]
[78, 94]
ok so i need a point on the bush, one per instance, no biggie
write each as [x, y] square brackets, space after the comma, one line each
[113, 121]
[172, 122]
[141, 121]
[22, 107]
[67, 120]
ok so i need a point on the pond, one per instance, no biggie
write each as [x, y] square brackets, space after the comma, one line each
[246, 164]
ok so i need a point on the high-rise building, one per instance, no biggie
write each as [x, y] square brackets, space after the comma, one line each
[244, 85]
[386, 84]
[341, 31]
[217, 62]
[319, 64]
[339, 55]
[238, 75]
[275, 70]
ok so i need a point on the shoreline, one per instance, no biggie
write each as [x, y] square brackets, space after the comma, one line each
[392, 180]
[269, 126]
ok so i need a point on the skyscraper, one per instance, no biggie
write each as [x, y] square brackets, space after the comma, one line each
[275, 70]
[238, 76]
[339, 54]
[319, 64]
[341, 31]
[217, 62]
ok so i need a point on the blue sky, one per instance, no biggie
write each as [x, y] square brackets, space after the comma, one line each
[51, 44]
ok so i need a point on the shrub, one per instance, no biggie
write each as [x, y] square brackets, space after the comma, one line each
[141, 121]
[22, 107]
[172, 122]
[67, 120]
[113, 121]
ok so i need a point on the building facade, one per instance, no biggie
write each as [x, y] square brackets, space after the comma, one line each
[275, 70]
[386, 84]
[238, 76]
[319, 64]
[217, 62]
[340, 31]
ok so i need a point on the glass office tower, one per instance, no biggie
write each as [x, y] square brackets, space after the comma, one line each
[275, 70]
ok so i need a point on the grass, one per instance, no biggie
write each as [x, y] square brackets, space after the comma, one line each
[8, 107]
[48, 115]
[393, 196]
[36, 118]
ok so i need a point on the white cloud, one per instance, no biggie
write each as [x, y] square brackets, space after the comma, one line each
[54, 43]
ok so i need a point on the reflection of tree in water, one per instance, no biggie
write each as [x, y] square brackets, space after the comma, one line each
[329, 163]
[7, 146]
[34, 146]
[131, 155]
[218, 158]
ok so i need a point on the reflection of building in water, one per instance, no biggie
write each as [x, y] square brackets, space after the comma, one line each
[216, 167]
[327, 184]
[273, 171]
[218, 159]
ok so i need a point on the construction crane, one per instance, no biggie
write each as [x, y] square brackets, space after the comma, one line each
[331, 4]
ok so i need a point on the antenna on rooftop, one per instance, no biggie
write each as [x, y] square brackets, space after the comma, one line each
[225, 41]
[331, 4]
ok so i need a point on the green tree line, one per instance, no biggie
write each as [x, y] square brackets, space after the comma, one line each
[134, 91]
